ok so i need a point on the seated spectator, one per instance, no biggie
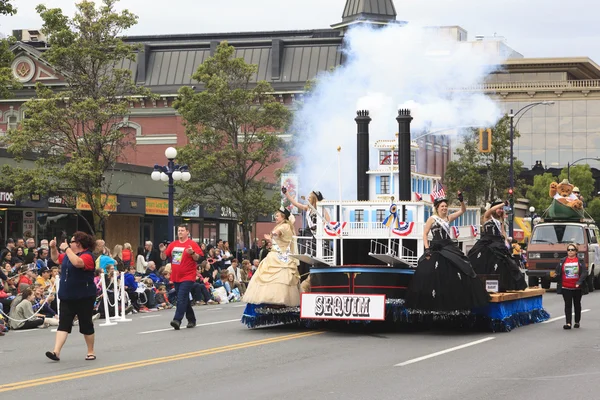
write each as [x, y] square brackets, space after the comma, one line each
[24, 317]
[162, 298]
[255, 263]
[42, 301]
[235, 284]
[44, 278]
[42, 258]
[131, 287]
[223, 281]
[151, 272]
[26, 279]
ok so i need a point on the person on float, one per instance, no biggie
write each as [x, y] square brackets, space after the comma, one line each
[444, 280]
[571, 282]
[491, 256]
[276, 281]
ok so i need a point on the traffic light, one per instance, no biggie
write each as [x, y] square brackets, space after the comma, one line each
[511, 198]
[485, 140]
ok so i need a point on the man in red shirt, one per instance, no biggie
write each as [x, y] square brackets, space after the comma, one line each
[184, 253]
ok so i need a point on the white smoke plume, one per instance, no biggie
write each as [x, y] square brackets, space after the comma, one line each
[386, 69]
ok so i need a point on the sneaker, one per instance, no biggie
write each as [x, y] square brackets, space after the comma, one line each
[191, 324]
[212, 302]
[576, 325]
[176, 324]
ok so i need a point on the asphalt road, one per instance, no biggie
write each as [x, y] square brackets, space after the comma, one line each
[222, 359]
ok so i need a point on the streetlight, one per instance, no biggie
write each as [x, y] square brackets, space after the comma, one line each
[511, 173]
[575, 162]
[171, 173]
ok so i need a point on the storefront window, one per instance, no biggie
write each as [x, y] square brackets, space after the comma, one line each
[209, 235]
[224, 232]
[14, 224]
[55, 225]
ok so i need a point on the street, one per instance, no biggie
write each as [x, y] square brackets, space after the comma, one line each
[221, 358]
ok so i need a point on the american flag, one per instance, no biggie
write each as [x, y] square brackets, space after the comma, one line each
[418, 196]
[438, 192]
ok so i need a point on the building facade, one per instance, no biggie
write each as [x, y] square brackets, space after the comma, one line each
[553, 135]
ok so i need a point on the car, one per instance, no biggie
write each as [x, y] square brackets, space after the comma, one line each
[548, 245]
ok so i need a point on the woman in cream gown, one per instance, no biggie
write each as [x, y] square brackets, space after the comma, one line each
[276, 281]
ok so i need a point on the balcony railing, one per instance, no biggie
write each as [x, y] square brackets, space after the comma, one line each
[540, 85]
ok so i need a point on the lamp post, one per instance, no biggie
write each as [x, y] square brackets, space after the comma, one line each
[170, 173]
[511, 173]
[575, 162]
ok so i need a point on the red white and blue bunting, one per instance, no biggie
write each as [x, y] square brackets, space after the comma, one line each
[404, 228]
[474, 231]
[334, 228]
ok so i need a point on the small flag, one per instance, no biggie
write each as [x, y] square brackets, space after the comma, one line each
[438, 192]
[418, 196]
[404, 228]
[456, 232]
[334, 228]
[474, 230]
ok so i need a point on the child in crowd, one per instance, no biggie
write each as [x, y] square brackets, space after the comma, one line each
[162, 298]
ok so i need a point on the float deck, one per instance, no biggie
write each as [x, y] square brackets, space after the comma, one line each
[516, 295]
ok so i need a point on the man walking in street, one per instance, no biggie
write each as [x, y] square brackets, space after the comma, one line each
[184, 253]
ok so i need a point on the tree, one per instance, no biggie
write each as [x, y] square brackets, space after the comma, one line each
[7, 80]
[75, 134]
[6, 8]
[593, 208]
[538, 194]
[484, 177]
[232, 129]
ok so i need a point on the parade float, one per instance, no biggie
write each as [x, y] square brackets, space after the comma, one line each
[363, 259]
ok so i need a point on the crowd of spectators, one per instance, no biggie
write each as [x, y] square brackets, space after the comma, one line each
[28, 279]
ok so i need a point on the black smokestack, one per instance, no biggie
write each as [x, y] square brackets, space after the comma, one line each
[362, 154]
[404, 118]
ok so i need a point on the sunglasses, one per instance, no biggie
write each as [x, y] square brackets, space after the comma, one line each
[571, 249]
[73, 241]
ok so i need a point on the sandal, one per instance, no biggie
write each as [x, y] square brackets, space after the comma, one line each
[52, 355]
[90, 357]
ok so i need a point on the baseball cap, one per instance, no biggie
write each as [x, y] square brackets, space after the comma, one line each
[44, 269]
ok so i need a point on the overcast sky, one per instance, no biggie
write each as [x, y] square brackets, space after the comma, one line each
[535, 28]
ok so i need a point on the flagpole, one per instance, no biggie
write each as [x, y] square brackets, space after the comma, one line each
[339, 149]
[392, 193]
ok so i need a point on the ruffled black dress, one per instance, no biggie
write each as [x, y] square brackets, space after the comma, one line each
[444, 280]
[490, 256]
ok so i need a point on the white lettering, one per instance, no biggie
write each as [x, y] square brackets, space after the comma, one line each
[342, 306]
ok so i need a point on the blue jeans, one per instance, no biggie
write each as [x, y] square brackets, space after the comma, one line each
[184, 306]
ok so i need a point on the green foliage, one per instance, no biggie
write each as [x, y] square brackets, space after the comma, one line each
[6, 8]
[593, 208]
[75, 134]
[484, 177]
[580, 176]
[231, 126]
[539, 193]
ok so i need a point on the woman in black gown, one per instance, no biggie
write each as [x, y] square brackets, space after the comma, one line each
[444, 280]
[491, 255]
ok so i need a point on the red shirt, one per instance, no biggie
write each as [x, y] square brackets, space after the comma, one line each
[88, 261]
[183, 266]
[570, 273]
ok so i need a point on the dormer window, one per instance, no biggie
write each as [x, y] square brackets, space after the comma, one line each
[385, 157]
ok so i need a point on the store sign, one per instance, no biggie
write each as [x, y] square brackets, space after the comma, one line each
[110, 203]
[193, 213]
[28, 224]
[368, 307]
[157, 206]
[57, 201]
[227, 212]
[7, 198]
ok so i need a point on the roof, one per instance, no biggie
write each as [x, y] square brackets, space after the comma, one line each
[378, 10]
[578, 67]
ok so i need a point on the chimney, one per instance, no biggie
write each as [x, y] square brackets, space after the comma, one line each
[404, 189]
[362, 154]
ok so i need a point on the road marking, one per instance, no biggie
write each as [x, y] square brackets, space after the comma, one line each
[26, 330]
[152, 361]
[149, 316]
[558, 318]
[183, 327]
[213, 309]
[239, 306]
[439, 353]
